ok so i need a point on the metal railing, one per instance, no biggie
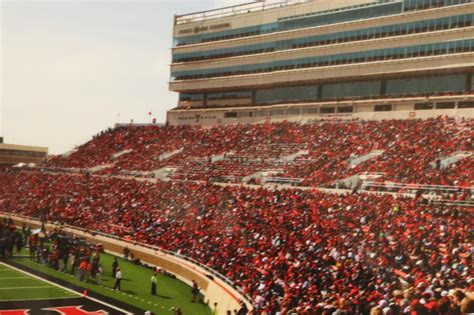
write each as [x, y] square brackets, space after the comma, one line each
[392, 186]
[234, 10]
[457, 203]
[293, 181]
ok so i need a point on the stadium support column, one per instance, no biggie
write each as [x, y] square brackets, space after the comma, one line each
[254, 97]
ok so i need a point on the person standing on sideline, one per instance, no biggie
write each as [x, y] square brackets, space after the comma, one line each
[100, 272]
[153, 284]
[114, 267]
[214, 310]
[118, 278]
[194, 291]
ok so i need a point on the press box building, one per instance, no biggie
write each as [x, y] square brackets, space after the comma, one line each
[306, 59]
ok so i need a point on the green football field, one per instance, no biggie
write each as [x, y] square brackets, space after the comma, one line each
[135, 287]
[18, 286]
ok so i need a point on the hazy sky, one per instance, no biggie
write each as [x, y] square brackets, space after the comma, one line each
[72, 68]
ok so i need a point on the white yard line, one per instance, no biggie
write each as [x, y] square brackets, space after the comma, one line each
[36, 299]
[37, 287]
[67, 289]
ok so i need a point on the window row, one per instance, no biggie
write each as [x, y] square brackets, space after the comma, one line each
[453, 47]
[376, 88]
[432, 25]
[196, 118]
[19, 153]
[344, 109]
[343, 15]
[416, 86]
[410, 5]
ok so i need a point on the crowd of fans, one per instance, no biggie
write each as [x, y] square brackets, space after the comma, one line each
[412, 151]
[296, 251]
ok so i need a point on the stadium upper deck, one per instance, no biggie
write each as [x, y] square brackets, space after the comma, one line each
[307, 59]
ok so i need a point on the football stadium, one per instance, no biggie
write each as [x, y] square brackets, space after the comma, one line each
[320, 160]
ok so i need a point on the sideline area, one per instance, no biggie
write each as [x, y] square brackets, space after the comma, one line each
[171, 292]
[22, 292]
[135, 287]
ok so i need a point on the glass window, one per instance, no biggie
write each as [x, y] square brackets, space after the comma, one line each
[319, 61]
[245, 114]
[469, 104]
[261, 113]
[445, 105]
[277, 112]
[229, 95]
[383, 108]
[345, 109]
[287, 94]
[293, 111]
[191, 97]
[353, 89]
[311, 110]
[349, 13]
[327, 110]
[427, 85]
[423, 106]
[230, 115]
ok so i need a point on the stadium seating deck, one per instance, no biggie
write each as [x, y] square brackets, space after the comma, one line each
[411, 149]
[290, 250]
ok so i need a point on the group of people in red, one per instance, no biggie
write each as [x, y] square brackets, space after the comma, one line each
[412, 151]
[290, 251]
[298, 251]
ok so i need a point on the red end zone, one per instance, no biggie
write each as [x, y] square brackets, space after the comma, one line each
[69, 306]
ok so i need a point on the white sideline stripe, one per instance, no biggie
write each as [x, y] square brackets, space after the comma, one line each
[37, 287]
[36, 299]
[67, 289]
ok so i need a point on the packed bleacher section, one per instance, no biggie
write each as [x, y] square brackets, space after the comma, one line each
[312, 154]
[290, 250]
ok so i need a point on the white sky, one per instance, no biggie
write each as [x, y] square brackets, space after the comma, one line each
[72, 68]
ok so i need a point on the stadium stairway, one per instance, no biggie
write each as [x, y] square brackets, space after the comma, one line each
[99, 168]
[120, 153]
[167, 155]
[164, 173]
[362, 158]
[454, 158]
[292, 157]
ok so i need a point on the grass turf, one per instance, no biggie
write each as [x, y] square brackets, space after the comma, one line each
[135, 287]
[18, 286]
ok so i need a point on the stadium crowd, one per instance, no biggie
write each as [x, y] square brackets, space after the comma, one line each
[412, 151]
[296, 251]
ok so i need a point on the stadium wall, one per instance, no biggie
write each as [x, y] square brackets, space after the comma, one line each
[214, 289]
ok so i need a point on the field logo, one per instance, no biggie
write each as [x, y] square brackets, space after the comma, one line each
[72, 310]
